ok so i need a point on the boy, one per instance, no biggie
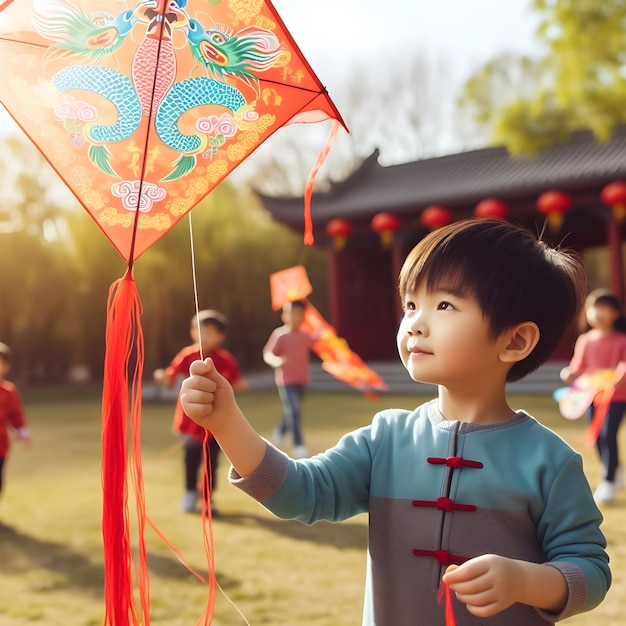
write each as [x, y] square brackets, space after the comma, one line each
[213, 327]
[11, 411]
[462, 489]
[287, 351]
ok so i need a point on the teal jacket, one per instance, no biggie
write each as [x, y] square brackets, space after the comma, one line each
[440, 492]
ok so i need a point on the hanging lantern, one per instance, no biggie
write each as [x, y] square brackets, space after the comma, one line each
[554, 204]
[385, 224]
[491, 207]
[614, 195]
[339, 229]
[435, 216]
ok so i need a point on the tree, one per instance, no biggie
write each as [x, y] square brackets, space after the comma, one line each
[578, 82]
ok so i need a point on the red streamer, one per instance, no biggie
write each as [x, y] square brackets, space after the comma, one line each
[446, 594]
[124, 340]
[309, 239]
[601, 402]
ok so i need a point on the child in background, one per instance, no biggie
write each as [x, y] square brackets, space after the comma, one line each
[603, 347]
[287, 351]
[11, 411]
[463, 489]
[213, 328]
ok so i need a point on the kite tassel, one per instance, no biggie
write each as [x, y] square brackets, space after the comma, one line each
[124, 342]
[309, 239]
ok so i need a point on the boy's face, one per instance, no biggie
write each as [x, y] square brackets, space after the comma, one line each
[444, 339]
[293, 316]
[212, 338]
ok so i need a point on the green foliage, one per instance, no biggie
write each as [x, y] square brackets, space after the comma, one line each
[579, 83]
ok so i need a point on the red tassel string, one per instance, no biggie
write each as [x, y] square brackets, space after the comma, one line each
[207, 526]
[124, 339]
[308, 189]
[446, 594]
[602, 402]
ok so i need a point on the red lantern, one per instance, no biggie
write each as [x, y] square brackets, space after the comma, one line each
[339, 229]
[491, 207]
[614, 195]
[554, 204]
[434, 217]
[385, 224]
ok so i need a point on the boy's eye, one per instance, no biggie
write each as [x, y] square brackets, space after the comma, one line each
[444, 306]
[409, 306]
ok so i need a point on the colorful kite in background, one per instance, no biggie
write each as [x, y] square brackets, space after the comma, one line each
[142, 108]
[596, 388]
[337, 358]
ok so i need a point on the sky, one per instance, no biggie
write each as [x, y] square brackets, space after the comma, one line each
[331, 33]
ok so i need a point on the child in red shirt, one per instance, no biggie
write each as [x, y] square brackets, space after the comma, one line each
[11, 411]
[213, 326]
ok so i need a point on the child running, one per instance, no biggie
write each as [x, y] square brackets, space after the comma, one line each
[463, 489]
[213, 327]
[603, 347]
[11, 411]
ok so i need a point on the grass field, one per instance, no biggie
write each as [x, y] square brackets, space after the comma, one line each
[276, 572]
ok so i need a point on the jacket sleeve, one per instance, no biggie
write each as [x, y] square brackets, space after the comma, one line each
[573, 543]
[578, 363]
[16, 415]
[332, 486]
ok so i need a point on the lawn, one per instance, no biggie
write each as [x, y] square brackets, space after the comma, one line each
[275, 572]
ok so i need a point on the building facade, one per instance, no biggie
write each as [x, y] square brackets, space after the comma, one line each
[572, 193]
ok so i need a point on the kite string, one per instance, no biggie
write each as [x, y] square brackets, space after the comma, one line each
[195, 283]
[207, 478]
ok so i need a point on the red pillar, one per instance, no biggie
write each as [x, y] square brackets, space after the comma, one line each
[333, 288]
[616, 268]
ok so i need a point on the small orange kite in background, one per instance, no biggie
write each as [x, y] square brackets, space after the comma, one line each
[289, 285]
[337, 357]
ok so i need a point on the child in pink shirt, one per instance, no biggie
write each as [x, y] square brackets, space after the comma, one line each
[604, 347]
[287, 351]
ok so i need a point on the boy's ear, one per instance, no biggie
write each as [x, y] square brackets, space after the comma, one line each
[520, 341]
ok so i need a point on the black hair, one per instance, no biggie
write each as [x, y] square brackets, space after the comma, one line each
[514, 277]
[608, 298]
[296, 304]
[211, 317]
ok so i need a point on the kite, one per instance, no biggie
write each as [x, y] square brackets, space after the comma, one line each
[337, 358]
[142, 108]
[597, 389]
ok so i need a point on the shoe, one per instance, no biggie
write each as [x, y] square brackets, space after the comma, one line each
[278, 437]
[605, 492]
[619, 478]
[188, 503]
[300, 452]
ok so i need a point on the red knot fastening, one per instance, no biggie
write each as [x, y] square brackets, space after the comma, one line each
[455, 462]
[443, 556]
[445, 504]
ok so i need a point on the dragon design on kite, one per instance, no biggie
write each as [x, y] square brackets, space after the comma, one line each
[227, 63]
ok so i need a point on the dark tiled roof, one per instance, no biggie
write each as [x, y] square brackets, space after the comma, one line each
[459, 181]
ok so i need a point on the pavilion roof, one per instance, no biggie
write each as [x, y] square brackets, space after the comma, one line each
[458, 181]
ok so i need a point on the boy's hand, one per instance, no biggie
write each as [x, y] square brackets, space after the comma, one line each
[489, 584]
[486, 584]
[160, 377]
[206, 395]
[24, 435]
